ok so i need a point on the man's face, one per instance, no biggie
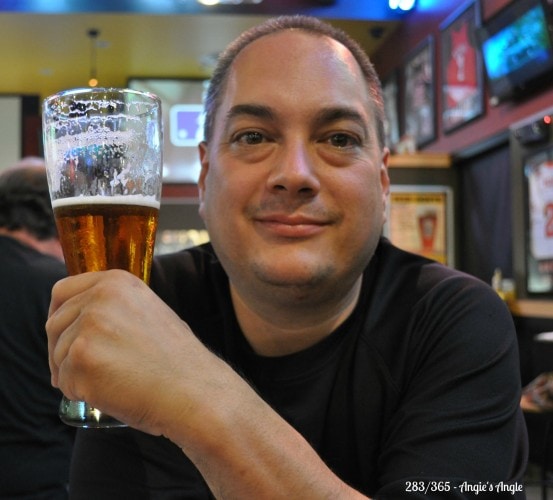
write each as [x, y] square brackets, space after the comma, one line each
[293, 182]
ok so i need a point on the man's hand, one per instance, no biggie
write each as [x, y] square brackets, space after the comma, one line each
[116, 345]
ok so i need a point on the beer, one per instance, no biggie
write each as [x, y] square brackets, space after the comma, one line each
[103, 152]
[107, 232]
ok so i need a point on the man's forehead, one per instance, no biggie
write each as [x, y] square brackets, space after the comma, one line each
[291, 56]
[315, 70]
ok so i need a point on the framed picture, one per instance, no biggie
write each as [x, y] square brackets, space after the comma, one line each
[538, 172]
[420, 220]
[390, 93]
[461, 68]
[419, 94]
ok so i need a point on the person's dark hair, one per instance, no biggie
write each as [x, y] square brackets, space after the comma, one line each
[25, 200]
[274, 25]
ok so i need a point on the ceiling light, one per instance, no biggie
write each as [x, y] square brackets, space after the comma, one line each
[93, 35]
[228, 2]
[404, 5]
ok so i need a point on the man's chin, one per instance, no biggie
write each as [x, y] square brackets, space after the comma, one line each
[295, 277]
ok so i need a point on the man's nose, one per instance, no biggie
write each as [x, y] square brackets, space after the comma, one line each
[294, 170]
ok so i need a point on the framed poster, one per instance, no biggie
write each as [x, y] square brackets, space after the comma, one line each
[538, 173]
[390, 88]
[420, 220]
[461, 68]
[419, 94]
[11, 127]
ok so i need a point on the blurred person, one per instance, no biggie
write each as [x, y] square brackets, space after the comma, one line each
[299, 354]
[35, 446]
[537, 396]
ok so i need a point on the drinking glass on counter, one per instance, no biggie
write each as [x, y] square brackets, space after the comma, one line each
[103, 152]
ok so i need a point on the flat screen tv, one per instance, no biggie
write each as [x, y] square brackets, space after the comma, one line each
[182, 108]
[517, 49]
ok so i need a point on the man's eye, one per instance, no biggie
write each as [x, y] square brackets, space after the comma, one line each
[342, 141]
[250, 138]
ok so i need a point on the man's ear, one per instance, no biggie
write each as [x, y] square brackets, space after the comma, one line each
[204, 161]
[385, 179]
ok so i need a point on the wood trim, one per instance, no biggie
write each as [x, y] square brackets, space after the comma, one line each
[420, 160]
[179, 191]
[532, 308]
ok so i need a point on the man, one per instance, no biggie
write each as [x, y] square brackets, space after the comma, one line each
[35, 446]
[307, 358]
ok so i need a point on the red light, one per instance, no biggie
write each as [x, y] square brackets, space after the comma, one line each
[547, 120]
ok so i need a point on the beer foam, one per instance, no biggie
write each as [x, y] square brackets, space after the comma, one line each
[131, 199]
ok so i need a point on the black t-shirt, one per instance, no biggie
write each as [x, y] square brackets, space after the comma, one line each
[420, 384]
[35, 446]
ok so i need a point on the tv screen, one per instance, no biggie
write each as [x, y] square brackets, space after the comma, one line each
[182, 108]
[516, 48]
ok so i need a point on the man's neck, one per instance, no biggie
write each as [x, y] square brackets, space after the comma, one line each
[274, 330]
[50, 246]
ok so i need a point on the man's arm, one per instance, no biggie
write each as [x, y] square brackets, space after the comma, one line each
[458, 425]
[115, 344]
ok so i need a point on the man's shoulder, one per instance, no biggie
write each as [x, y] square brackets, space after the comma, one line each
[419, 274]
[23, 260]
[413, 297]
[406, 294]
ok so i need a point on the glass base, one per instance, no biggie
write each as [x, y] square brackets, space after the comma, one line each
[81, 414]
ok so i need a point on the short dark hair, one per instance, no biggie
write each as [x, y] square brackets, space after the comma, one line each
[309, 25]
[25, 201]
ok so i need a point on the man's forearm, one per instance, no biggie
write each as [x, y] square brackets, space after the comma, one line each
[244, 449]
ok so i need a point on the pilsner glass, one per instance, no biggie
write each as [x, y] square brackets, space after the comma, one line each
[103, 151]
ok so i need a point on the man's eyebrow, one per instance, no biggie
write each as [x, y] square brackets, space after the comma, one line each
[253, 110]
[327, 115]
[334, 114]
